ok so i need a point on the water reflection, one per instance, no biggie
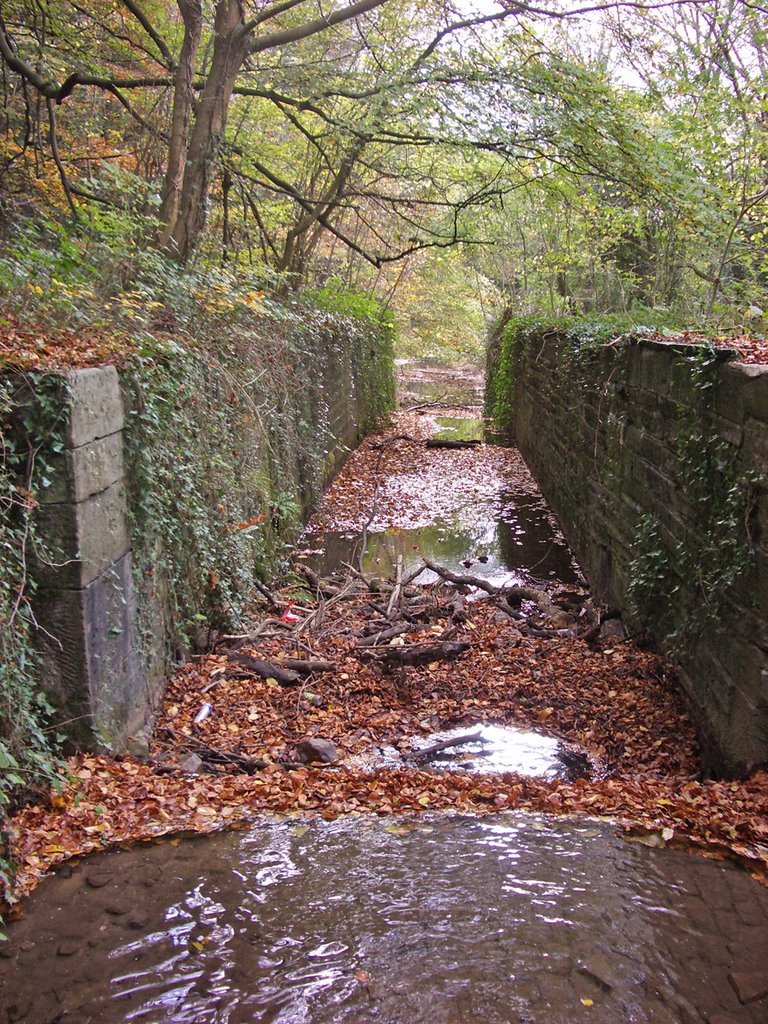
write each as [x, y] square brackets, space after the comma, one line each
[450, 919]
[455, 428]
[491, 749]
[508, 539]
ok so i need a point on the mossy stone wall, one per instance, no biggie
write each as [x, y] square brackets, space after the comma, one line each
[654, 456]
[181, 480]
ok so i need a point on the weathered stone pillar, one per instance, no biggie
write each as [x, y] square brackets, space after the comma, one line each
[85, 602]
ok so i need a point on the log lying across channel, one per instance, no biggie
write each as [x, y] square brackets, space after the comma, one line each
[434, 442]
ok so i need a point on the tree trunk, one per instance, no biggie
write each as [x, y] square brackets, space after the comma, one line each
[183, 100]
[230, 48]
[303, 237]
[234, 40]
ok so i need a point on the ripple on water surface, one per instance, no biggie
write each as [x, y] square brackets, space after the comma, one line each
[444, 920]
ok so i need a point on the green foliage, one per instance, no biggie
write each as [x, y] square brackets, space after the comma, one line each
[30, 416]
[98, 274]
[444, 309]
[582, 336]
[651, 580]
[228, 450]
[334, 298]
[196, 488]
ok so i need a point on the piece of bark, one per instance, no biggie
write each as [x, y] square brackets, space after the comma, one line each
[458, 609]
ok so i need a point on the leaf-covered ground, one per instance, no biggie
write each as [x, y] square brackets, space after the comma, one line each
[240, 758]
[33, 345]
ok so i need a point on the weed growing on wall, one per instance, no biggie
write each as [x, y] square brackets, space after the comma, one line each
[31, 409]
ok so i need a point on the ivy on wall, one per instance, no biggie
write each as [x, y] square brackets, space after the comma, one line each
[31, 416]
[677, 586]
[228, 451]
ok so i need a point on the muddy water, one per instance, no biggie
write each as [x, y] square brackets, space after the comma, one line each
[440, 920]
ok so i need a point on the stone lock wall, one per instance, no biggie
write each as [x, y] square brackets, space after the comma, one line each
[106, 634]
[602, 432]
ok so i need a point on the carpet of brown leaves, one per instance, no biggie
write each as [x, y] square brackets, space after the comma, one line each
[616, 700]
[35, 346]
[750, 349]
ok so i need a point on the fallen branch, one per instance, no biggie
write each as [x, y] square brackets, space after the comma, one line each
[434, 442]
[397, 589]
[417, 654]
[265, 669]
[213, 756]
[427, 405]
[385, 442]
[384, 635]
[463, 580]
[513, 595]
[274, 601]
[427, 753]
[306, 666]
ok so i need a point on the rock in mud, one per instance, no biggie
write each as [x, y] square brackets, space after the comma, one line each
[749, 986]
[68, 947]
[191, 764]
[612, 630]
[98, 878]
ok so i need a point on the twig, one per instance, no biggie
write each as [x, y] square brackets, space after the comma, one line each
[427, 405]
[397, 589]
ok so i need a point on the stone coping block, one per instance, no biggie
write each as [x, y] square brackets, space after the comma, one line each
[96, 405]
[79, 473]
[88, 640]
[83, 539]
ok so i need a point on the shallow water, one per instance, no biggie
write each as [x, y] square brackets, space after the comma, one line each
[419, 383]
[459, 428]
[440, 920]
[494, 749]
[507, 538]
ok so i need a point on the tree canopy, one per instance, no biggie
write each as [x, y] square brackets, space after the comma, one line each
[593, 156]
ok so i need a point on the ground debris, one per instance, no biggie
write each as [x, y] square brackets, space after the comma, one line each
[621, 704]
